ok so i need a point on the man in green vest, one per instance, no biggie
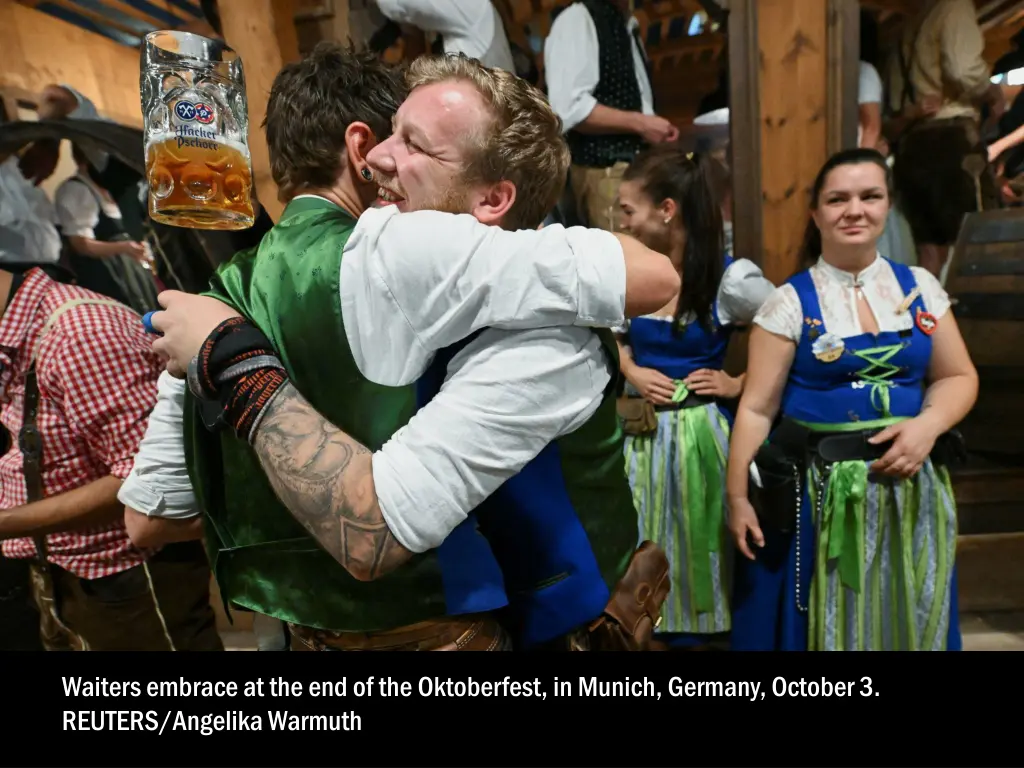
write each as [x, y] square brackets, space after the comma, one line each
[425, 281]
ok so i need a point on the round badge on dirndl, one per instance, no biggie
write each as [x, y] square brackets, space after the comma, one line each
[926, 322]
[828, 347]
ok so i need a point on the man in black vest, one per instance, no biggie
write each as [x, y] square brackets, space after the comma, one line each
[599, 83]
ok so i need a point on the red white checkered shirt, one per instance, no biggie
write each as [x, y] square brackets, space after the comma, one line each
[97, 376]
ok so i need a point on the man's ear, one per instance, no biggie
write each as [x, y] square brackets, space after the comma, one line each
[359, 140]
[492, 204]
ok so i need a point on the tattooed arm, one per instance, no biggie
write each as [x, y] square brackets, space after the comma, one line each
[325, 478]
[507, 395]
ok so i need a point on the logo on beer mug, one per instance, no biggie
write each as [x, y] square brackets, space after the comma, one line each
[186, 110]
[204, 113]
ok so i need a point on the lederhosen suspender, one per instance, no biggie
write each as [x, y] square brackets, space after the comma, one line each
[30, 443]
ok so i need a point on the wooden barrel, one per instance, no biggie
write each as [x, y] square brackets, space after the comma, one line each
[986, 283]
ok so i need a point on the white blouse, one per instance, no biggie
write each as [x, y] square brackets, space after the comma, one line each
[782, 313]
[78, 207]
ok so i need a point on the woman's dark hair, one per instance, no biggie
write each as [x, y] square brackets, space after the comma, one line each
[666, 172]
[811, 248]
[80, 158]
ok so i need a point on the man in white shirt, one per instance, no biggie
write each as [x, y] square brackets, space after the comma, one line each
[472, 27]
[424, 281]
[599, 83]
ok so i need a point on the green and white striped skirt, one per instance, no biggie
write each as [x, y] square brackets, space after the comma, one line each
[883, 560]
[678, 479]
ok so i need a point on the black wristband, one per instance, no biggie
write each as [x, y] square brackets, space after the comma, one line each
[236, 373]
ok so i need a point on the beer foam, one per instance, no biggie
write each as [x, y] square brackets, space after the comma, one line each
[165, 135]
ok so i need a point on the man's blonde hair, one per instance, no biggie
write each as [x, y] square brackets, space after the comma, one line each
[523, 144]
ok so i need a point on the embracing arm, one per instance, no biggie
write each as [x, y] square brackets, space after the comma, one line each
[507, 396]
[426, 280]
[325, 479]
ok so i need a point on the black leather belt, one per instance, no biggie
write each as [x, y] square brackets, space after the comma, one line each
[832, 447]
[690, 401]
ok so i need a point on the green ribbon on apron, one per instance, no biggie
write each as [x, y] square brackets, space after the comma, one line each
[842, 520]
[705, 515]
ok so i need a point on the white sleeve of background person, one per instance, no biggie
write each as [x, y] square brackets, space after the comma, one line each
[869, 90]
[158, 484]
[743, 290]
[414, 283]
[77, 210]
[507, 395]
[571, 65]
[27, 231]
[442, 16]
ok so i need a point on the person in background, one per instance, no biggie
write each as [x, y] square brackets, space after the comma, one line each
[79, 380]
[897, 241]
[869, 91]
[599, 84]
[673, 360]
[938, 82]
[472, 27]
[102, 254]
[853, 544]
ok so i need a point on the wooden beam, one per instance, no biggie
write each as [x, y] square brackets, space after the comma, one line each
[793, 42]
[744, 125]
[843, 73]
[262, 32]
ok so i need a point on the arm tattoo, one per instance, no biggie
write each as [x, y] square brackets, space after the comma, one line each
[324, 478]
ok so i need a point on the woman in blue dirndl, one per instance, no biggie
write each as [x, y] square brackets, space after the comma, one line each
[673, 360]
[853, 543]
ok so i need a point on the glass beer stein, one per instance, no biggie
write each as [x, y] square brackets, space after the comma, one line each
[196, 124]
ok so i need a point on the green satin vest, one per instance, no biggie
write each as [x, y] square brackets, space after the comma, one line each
[263, 559]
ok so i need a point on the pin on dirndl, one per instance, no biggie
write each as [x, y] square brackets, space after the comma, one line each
[926, 322]
[828, 347]
[905, 304]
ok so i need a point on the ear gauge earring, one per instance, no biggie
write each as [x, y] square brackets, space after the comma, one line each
[366, 174]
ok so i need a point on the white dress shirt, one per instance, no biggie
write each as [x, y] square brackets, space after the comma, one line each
[515, 388]
[472, 27]
[28, 231]
[572, 68]
[783, 314]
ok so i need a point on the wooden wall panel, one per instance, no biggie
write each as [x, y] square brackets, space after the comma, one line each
[263, 33]
[37, 49]
[793, 42]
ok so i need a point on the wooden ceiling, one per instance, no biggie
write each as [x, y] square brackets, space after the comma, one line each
[124, 21]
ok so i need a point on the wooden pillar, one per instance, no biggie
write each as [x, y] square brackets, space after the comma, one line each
[262, 32]
[793, 66]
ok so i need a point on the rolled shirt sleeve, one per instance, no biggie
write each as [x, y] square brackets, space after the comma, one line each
[425, 280]
[158, 484]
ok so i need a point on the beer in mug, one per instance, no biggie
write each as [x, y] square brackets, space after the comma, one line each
[196, 124]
